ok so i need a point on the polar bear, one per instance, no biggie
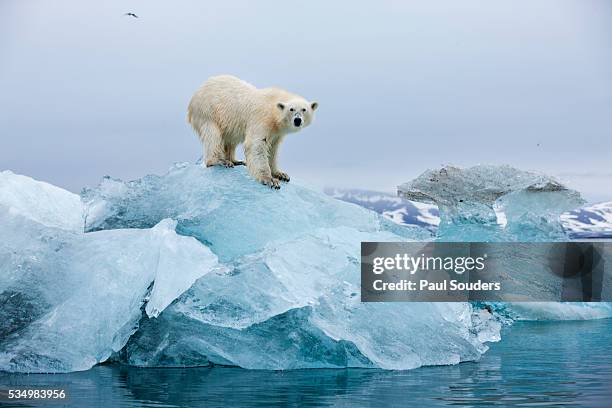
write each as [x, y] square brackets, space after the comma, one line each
[226, 111]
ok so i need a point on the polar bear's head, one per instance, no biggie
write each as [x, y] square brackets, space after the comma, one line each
[296, 114]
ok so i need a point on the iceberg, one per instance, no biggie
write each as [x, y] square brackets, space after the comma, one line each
[289, 296]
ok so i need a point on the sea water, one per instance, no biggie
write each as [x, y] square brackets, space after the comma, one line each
[537, 364]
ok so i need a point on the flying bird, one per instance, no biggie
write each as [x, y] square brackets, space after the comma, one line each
[131, 15]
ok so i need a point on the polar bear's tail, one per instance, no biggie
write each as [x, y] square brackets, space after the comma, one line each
[196, 121]
[189, 114]
[190, 120]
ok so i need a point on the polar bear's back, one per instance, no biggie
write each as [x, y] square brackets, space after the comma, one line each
[225, 89]
[224, 100]
[231, 105]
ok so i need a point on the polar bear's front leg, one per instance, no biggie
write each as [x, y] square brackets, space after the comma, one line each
[276, 173]
[256, 151]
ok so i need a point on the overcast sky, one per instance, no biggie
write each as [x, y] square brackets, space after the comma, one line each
[402, 86]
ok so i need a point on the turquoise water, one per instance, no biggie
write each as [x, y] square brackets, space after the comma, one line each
[536, 364]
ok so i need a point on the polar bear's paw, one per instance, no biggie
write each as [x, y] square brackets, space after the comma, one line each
[270, 181]
[220, 162]
[238, 163]
[281, 176]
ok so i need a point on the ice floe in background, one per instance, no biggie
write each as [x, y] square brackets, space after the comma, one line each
[470, 201]
[205, 266]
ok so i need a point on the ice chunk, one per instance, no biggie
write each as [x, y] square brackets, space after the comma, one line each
[182, 260]
[473, 201]
[40, 201]
[71, 299]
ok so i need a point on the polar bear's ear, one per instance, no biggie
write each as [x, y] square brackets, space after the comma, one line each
[280, 106]
[314, 105]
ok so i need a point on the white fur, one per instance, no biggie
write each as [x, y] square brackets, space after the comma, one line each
[226, 111]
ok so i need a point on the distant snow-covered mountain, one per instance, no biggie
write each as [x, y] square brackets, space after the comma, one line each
[398, 210]
[593, 221]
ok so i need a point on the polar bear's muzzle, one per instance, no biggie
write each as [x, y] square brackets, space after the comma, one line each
[297, 121]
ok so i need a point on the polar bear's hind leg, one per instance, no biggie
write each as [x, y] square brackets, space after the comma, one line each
[214, 150]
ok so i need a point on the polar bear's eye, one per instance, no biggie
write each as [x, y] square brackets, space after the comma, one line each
[291, 110]
[303, 109]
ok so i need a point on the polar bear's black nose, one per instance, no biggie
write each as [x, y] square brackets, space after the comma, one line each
[297, 121]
